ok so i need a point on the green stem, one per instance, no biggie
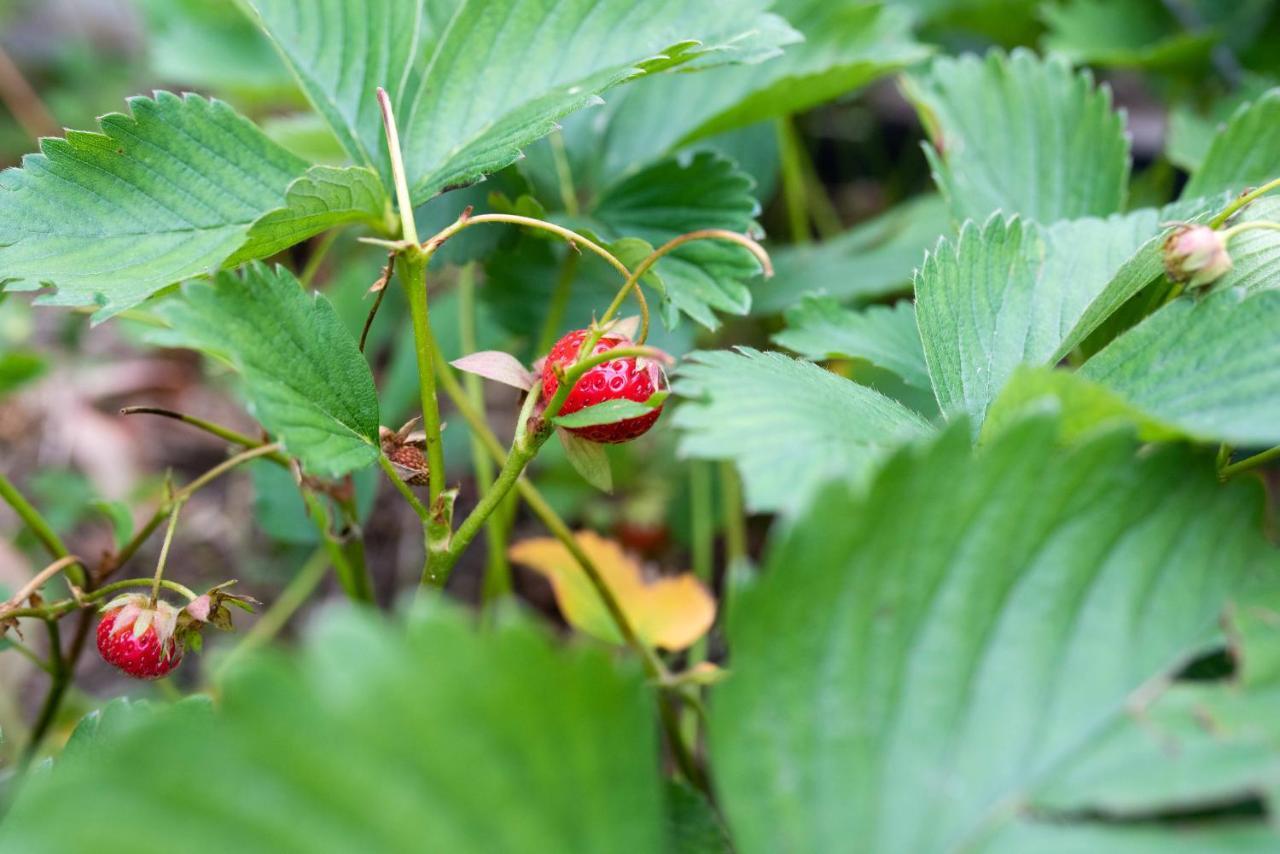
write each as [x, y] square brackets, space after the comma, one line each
[736, 559]
[269, 624]
[703, 535]
[559, 303]
[62, 607]
[564, 173]
[36, 523]
[1249, 463]
[355, 585]
[317, 257]
[1251, 225]
[497, 572]
[412, 268]
[404, 489]
[164, 551]
[1243, 200]
[794, 188]
[61, 677]
[233, 436]
[30, 654]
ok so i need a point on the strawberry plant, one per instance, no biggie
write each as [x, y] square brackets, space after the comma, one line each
[558, 509]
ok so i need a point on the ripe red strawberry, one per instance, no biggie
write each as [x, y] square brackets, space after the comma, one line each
[138, 638]
[620, 379]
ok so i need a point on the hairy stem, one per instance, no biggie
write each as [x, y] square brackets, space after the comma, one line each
[1231, 209]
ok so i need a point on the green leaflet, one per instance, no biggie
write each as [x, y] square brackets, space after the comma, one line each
[1021, 135]
[1244, 153]
[971, 642]
[789, 425]
[161, 195]
[474, 82]
[304, 376]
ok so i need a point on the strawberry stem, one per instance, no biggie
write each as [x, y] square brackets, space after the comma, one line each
[164, 550]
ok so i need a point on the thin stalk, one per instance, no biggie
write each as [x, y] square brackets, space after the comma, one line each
[1251, 225]
[164, 551]
[403, 488]
[233, 436]
[1230, 210]
[40, 579]
[559, 303]
[23, 102]
[497, 572]
[701, 522]
[794, 190]
[38, 526]
[823, 213]
[61, 677]
[412, 268]
[62, 607]
[317, 257]
[354, 584]
[1249, 463]
[564, 173]
[269, 624]
[736, 560]
[31, 655]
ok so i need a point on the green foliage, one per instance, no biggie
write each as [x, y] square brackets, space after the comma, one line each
[1246, 152]
[161, 195]
[355, 746]
[305, 379]
[1123, 33]
[819, 328]
[472, 84]
[869, 261]
[1211, 366]
[1022, 135]
[789, 425]
[1011, 293]
[965, 652]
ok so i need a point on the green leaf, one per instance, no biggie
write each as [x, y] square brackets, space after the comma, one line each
[321, 199]
[970, 641]
[1127, 34]
[588, 459]
[120, 517]
[356, 746]
[306, 380]
[609, 412]
[473, 82]
[819, 328]
[869, 261]
[845, 46]
[1210, 366]
[692, 824]
[1246, 152]
[1082, 407]
[672, 198]
[1255, 254]
[1010, 293]
[789, 425]
[161, 195]
[1022, 135]
[1193, 127]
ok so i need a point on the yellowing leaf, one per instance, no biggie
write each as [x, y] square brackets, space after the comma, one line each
[668, 612]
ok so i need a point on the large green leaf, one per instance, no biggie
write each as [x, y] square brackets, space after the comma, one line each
[918, 664]
[869, 261]
[789, 425]
[820, 328]
[1244, 153]
[1009, 293]
[473, 82]
[1022, 135]
[1211, 366]
[161, 195]
[378, 738]
[1127, 33]
[305, 378]
[672, 198]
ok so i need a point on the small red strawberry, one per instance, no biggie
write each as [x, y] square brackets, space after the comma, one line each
[140, 638]
[627, 378]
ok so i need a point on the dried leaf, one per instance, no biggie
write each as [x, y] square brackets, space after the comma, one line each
[588, 458]
[670, 612]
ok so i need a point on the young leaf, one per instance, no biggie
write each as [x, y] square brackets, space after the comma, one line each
[1246, 152]
[675, 197]
[588, 459]
[161, 195]
[972, 642]
[819, 328]
[1211, 366]
[356, 745]
[497, 366]
[305, 378]
[669, 612]
[474, 82]
[1008, 294]
[869, 261]
[789, 425]
[1022, 135]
